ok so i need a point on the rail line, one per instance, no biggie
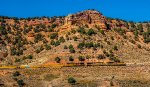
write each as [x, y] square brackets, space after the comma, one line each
[59, 65]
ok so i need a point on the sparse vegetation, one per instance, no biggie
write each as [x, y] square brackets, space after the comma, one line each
[91, 32]
[115, 47]
[71, 80]
[102, 32]
[53, 36]
[48, 47]
[71, 58]
[71, 49]
[81, 58]
[20, 83]
[57, 59]
[16, 73]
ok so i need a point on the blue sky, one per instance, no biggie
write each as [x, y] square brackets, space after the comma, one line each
[134, 10]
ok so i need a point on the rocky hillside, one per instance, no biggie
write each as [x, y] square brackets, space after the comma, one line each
[76, 37]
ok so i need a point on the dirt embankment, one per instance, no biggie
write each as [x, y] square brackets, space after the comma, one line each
[124, 76]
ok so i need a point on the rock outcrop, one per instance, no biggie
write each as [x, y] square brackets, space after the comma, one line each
[89, 17]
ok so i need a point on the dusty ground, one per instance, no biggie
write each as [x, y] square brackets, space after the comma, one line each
[97, 76]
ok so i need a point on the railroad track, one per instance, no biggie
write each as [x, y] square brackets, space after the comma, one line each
[59, 66]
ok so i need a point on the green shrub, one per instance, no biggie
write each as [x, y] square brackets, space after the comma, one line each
[81, 58]
[107, 54]
[53, 26]
[91, 32]
[115, 48]
[20, 83]
[38, 37]
[104, 51]
[71, 80]
[29, 56]
[112, 38]
[48, 47]
[132, 41]
[61, 39]
[57, 43]
[81, 45]
[13, 50]
[124, 36]
[139, 46]
[70, 46]
[89, 45]
[110, 51]
[132, 24]
[71, 58]
[115, 59]
[72, 50]
[81, 30]
[17, 73]
[75, 38]
[57, 59]
[140, 27]
[17, 60]
[65, 47]
[102, 32]
[39, 49]
[53, 35]
[100, 56]
[52, 42]
[73, 31]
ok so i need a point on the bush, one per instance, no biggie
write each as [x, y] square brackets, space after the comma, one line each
[65, 47]
[38, 37]
[132, 41]
[132, 24]
[48, 47]
[75, 38]
[107, 54]
[81, 45]
[115, 48]
[90, 32]
[61, 39]
[112, 38]
[17, 73]
[104, 51]
[57, 59]
[73, 31]
[140, 27]
[17, 60]
[52, 42]
[39, 49]
[89, 45]
[71, 80]
[13, 50]
[124, 36]
[115, 59]
[53, 35]
[72, 50]
[100, 56]
[20, 83]
[110, 51]
[29, 56]
[71, 58]
[57, 43]
[81, 30]
[139, 46]
[54, 26]
[81, 58]
[102, 32]
[70, 46]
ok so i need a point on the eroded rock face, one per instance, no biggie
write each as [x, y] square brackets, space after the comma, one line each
[91, 17]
